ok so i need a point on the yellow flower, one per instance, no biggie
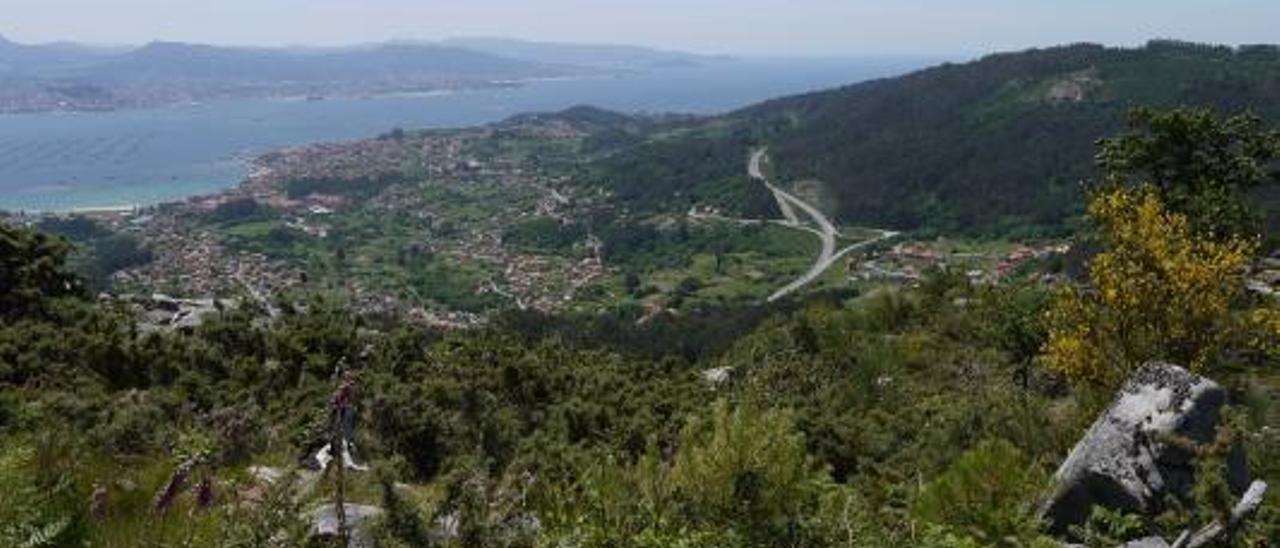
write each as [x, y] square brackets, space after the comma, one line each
[1162, 292]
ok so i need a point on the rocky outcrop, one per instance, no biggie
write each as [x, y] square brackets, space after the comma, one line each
[1149, 542]
[324, 522]
[716, 376]
[164, 313]
[1127, 461]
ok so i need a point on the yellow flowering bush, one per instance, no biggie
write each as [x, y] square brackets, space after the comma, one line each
[1264, 332]
[1159, 291]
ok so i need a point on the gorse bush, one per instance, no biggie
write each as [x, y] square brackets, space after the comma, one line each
[1160, 290]
[1178, 233]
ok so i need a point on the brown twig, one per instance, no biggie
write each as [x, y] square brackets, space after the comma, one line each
[1247, 506]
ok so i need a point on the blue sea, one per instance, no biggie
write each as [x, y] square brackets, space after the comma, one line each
[66, 161]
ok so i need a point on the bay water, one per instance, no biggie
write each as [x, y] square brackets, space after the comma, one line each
[67, 161]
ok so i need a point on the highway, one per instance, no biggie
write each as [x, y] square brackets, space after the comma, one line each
[825, 231]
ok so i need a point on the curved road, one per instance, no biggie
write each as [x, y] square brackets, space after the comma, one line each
[826, 231]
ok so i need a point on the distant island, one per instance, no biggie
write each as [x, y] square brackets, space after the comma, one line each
[74, 77]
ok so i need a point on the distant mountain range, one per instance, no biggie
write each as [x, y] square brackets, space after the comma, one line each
[20, 60]
[996, 145]
[176, 61]
[67, 76]
[582, 55]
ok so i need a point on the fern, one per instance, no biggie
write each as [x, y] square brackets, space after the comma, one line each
[48, 535]
[29, 511]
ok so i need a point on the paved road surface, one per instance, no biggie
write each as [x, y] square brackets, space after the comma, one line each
[826, 231]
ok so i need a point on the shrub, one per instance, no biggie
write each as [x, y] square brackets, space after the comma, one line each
[39, 506]
[987, 494]
[1160, 291]
[746, 466]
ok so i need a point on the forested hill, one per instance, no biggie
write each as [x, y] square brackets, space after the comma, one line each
[992, 145]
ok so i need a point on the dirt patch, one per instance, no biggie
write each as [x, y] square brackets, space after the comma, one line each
[817, 193]
[1072, 88]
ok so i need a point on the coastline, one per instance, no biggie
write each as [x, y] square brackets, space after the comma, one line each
[411, 91]
[118, 206]
[86, 210]
[149, 157]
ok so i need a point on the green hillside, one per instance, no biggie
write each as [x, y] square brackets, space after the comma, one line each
[993, 145]
[633, 391]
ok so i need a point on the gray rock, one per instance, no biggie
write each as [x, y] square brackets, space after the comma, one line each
[266, 474]
[1269, 277]
[164, 302]
[1149, 542]
[1125, 462]
[324, 522]
[717, 376]
[447, 527]
[157, 317]
[165, 313]
[189, 320]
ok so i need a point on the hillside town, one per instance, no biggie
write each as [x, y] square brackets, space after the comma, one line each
[419, 225]
[907, 262]
[452, 197]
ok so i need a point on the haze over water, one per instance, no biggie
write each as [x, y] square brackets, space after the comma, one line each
[63, 161]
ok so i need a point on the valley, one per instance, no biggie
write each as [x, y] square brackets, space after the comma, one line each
[576, 212]
[999, 303]
[450, 227]
[826, 232]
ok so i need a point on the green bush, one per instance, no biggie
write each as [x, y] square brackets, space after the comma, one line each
[39, 504]
[746, 466]
[32, 272]
[988, 494]
[740, 477]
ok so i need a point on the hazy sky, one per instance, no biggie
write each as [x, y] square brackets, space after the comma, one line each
[728, 26]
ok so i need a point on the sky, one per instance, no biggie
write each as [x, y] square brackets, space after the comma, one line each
[777, 27]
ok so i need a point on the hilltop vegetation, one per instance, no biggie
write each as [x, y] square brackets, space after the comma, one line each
[629, 388]
[999, 145]
[846, 422]
[930, 415]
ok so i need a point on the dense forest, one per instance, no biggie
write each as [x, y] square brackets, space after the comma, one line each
[999, 145]
[929, 415]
